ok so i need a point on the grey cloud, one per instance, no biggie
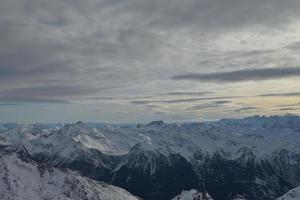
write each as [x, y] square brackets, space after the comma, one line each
[289, 94]
[94, 110]
[153, 106]
[242, 75]
[232, 60]
[204, 106]
[106, 49]
[45, 109]
[102, 98]
[9, 104]
[44, 42]
[214, 104]
[287, 109]
[15, 67]
[217, 14]
[255, 52]
[120, 98]
[245, 109]
[188, 93]
[186, 100]
[55, 93]
[289, 105]
[221, 102]
[294, 46]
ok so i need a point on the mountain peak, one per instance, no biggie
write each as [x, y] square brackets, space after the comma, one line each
[80, 123]
[29, 128]
[75, 129]
[76, 125]
[156, 123]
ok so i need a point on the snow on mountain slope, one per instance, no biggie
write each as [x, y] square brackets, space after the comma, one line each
[64, 142]
[23, 133]
[208, 138]
[84, 137]
[263, 136]
[26, 180]
[192, 195]
[252, 154]
[293, 194]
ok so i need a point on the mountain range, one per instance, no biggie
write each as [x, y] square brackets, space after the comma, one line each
[254, 158]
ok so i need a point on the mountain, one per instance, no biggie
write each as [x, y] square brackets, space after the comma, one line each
[7, 126]
[293, 194]
[2, 128]
[24, 179]
[154, 173]
[258, 157]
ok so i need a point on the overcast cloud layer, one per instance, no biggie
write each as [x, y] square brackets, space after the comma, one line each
[140, 60]
[242, 75]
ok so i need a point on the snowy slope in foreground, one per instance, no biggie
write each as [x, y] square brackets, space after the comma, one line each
[20, 180]
[192, 195]
[293, 194]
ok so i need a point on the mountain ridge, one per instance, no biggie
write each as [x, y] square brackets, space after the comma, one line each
[255, 156]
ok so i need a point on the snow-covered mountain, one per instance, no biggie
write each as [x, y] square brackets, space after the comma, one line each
[7, 126]
[23, 179]
[258, 157]
[2, 128]
[293, 194]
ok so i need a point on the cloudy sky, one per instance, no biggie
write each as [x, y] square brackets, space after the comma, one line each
[140, 60]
